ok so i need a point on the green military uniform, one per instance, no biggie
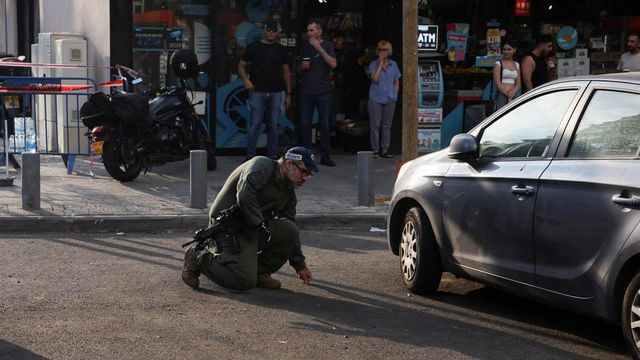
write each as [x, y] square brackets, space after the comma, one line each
[256, 186]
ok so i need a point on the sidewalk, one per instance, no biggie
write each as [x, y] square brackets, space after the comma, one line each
[160, 199]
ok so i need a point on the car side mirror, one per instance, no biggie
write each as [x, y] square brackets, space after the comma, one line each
[463, 147]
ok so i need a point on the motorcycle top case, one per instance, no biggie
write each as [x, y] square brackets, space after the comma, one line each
[97, 111]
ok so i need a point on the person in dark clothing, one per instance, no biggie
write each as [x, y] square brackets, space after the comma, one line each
[269, 74]
[318, 59]
[264, 190]
[535, 71]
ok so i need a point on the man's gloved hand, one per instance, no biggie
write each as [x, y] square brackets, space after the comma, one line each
[305, 275]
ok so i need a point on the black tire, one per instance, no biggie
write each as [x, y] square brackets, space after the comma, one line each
[631, 301]
[420, 263]
[119, 169]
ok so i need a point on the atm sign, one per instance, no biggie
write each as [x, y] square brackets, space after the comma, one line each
[427, 37]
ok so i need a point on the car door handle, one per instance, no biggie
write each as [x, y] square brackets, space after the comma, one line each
[626, 201]
[522, 190]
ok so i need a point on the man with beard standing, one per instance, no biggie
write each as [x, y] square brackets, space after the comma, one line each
[535, 71]
[318, 59]
[630, 61]
[269, 75]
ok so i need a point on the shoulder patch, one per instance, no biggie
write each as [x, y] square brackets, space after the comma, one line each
[256, 178]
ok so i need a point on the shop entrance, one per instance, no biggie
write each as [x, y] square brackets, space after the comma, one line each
[354, 28]
[219, 32]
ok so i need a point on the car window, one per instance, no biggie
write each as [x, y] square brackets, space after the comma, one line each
[610, 126]
[527, 130]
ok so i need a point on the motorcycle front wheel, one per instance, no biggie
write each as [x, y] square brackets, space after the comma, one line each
[116, 165]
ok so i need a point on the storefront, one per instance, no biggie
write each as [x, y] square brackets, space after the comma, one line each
[219, 32]
[590, 38]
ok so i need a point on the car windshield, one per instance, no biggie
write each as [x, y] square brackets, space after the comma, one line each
[527, 130]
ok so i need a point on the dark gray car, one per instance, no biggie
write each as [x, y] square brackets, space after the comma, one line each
[541, 199]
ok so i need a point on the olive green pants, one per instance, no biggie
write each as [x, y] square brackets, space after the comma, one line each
[258, 254]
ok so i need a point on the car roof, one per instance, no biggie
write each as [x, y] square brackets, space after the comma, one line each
[633, 77]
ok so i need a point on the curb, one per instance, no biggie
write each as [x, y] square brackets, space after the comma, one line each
[41, 224]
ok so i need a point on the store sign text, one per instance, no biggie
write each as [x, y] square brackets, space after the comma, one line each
[428, 37]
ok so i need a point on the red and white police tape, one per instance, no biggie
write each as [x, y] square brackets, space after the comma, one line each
[52, 88]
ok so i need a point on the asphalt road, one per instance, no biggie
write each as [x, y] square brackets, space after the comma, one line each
[120, 296]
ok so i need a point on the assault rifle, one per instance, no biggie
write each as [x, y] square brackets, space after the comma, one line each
[224, 225]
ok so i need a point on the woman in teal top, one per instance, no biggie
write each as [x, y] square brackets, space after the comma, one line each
[383, 93]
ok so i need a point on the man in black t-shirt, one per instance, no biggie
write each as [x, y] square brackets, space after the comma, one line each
[269, 75]
[535, 71]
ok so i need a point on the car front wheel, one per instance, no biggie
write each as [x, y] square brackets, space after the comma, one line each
[419, 257]
[631, 316]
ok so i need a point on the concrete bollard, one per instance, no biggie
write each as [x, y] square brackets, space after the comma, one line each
[365, 179]
[198, 179]
[30, 181]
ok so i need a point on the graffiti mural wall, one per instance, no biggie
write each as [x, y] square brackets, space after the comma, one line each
[239, 24]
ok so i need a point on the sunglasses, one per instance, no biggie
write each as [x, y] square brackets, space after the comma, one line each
[304, 172]
[382, 49]
[272, 30]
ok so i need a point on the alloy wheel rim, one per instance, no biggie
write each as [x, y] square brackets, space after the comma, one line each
[408, 251]
[635, 319]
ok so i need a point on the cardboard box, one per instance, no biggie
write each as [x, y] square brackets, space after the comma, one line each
[597, 44]
[566, 66]
[582, 71]
[582, 67]
[598, 57]
[613, 56]
[582, 53]
[581, 63]
[566, 73]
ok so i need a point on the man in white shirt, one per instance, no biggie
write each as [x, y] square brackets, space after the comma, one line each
[630, 61]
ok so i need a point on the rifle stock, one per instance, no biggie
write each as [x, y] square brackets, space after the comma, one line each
[228, 220]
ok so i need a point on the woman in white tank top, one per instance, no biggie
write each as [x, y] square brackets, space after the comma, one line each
[506, 75]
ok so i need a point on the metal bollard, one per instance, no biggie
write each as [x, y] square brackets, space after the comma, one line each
[30, 181]
[198, 179]
[365, 179]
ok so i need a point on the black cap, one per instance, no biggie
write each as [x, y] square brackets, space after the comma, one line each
[303, 154]
[272, 25]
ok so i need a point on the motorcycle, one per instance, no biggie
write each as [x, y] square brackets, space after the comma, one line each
[11, 105]
[135, 131]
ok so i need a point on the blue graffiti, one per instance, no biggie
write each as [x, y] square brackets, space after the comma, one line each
[233, 114]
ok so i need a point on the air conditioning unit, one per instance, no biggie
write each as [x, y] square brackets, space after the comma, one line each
[48, 120]
[71, 138]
